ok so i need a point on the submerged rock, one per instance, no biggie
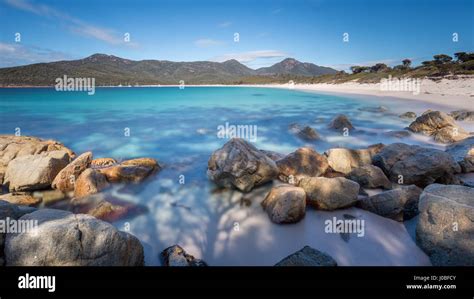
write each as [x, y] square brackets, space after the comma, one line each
[439, 125]
[378, 109]
[330, 193]
[66, 178]
[463, 152]
[308, 134]
[408, 115]
[370, 176]
[398, 134]
[128, 173]
[35, 172]
[176, 256]
[344, 159]
[462, 115]
[285, 204]
[65, 239]
[90, 182]
[445, 229]
[303, 162]
[412, 164]
[341, 123]
[308, 257]
[239, 164]
[398, 204]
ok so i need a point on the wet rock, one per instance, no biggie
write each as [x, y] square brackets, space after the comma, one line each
[412, 164]
[462, 115]
[175, 256]
[66, 178]
[90, 181]
[308, 257]
[330, 193]
[273, 155]
[65, 239]
[399, 204]
[285, 204]
[239, 164]
[143, 162]
[12, 147]
[341, 123]
[126, 173]
[344, 160]
[49, 197]
[308, 134]
[398, 134]
[463, 152]
[378, 109]
[35, 172]
[21, 198]
[408, 115]
[439, 125]
[303, 162]
[445, 229]
[369, 176]
[103, 162]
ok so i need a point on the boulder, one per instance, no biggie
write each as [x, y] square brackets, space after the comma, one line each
[7, 211]
[344, 159]
[463, 153]
[273, 155]
[176, 256]
[103, 162]
[439, 125]
[239, 164]
[12, 147]
[330, 193]
[308, 134]
[35, 172]
[308, 257]
[285, 204]
[90, 181]
[21, 198]
[142, 162]
[303, 162]
[408, 115]
[412, 164]
[370, 176]
[341, 123]
[462, 115]
[66, 178]
[398, 204]
[445, 229]
[65, 239]
[398, 134]
[131, 171]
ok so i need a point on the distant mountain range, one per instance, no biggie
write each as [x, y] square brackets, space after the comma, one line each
[112, 70]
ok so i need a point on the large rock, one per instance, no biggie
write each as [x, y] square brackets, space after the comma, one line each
[330, 193]
[303, 162]
[66, 178]
[370, 176]
[308, 134]
[445, 229]
[398, 204]
[412, 164]
[341, 123]
[21, 198]
[131, 171]
[285, 204]
[344, 159]
[8, 211]
[176, 256]
[90, 182]
[35, 172]
[65, 239]
[439, 125]
[408, 115]
[462, 115]
[12, 147]
[103, 162]
[239, 164]
[463, 152]
[308, 257]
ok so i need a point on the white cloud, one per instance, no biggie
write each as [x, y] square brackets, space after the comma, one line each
[250, 56]
[75, 25]
[18, 54]
[207, 42]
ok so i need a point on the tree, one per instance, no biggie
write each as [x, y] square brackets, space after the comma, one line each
[463, 56]
[406, 62]
[379, 67]
[442, 58]
[359, 69]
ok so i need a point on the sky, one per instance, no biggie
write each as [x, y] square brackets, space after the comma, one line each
[258, 33]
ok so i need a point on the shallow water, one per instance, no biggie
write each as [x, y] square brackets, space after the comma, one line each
[179, 126]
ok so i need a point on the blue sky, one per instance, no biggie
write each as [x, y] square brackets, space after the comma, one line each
[269, 31]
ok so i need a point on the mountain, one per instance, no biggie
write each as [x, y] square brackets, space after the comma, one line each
[291, 66]
[112, 70]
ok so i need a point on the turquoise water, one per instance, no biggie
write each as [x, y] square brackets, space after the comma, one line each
[178, 127]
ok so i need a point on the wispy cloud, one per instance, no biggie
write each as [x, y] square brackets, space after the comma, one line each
[19, 54]
[75, 25]
[207, 42]
[224, 24]
[250, 56]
